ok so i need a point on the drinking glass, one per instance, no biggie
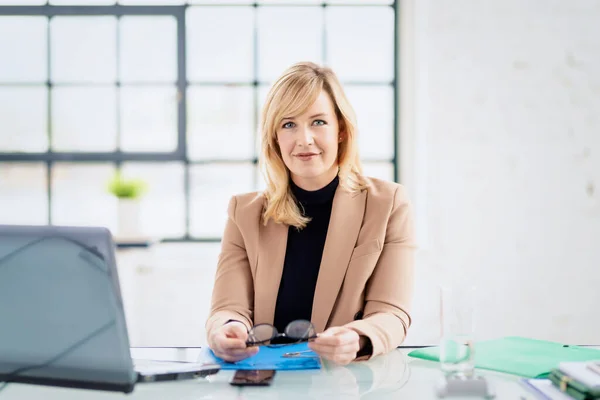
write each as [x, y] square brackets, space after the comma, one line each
[457, 322]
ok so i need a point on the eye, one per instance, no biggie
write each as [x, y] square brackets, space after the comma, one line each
[288, 125]
[319, 122]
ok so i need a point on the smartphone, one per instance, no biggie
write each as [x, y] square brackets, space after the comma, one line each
[253, 377]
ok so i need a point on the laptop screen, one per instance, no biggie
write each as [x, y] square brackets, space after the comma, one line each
[61, 315]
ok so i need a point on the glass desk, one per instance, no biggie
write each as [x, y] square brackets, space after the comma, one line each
[391, 376]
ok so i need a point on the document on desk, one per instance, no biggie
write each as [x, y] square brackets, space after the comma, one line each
[544, 389]
[520, 356]
[288, 357]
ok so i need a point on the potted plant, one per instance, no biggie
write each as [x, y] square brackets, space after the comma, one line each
[128, 193]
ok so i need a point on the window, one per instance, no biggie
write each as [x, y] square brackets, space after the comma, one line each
[170, 91]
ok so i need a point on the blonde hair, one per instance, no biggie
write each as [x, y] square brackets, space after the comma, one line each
[292, 94]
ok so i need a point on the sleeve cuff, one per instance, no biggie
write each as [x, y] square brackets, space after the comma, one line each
[364, 328]
[366, 350]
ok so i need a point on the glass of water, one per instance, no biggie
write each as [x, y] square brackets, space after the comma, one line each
[457, 322]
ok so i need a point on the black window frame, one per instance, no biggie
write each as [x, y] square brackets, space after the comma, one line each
[119, 157]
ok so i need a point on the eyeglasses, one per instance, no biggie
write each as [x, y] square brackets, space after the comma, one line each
[298, 331]
[300, 354]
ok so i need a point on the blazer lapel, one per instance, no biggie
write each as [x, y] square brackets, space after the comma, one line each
[271, 256]
[344, 225]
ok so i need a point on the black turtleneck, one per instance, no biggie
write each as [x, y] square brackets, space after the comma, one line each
[303, 255]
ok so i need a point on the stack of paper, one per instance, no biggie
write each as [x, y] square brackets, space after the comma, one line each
[577, 379]
[583, 372]
[544, 389]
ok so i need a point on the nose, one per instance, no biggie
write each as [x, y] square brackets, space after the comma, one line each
[305, 137]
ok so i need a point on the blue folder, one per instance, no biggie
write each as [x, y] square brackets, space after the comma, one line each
[269, 358]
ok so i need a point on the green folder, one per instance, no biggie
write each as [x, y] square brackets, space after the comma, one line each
[529, 358]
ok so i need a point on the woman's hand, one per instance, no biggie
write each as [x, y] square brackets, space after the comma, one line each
[229, 342]
[337, 344]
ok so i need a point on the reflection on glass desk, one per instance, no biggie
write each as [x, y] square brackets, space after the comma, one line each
[391, 376]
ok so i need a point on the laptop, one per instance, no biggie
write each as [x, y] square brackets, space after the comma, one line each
[62, 320]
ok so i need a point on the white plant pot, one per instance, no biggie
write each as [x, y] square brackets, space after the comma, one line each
[129, 219]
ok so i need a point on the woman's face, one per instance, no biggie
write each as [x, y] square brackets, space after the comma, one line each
[309, 144]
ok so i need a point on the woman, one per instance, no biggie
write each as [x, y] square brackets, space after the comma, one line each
[322, 243]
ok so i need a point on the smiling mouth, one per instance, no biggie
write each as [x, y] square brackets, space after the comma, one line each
[307, 155]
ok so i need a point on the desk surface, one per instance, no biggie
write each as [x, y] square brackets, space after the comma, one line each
[391, 376]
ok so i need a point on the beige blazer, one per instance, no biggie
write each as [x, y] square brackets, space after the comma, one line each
[365, 280]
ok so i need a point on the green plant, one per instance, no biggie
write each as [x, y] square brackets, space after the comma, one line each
[124, 188]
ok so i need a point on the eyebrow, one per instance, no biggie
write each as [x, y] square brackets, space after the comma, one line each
[312, 116]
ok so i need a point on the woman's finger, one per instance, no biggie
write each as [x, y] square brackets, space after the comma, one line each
[235, 329]
[335, 341]
[225, 343]
[322, 350]
[336, 338]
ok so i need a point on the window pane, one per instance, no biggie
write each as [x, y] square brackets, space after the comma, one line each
[356, 34]
[261, 184]
[299, 2]
[22, 2]
[220, 43]
[383, 171]
[370, 2]
[220, 122]
[148, 49]
[263, 90]
[211, 189]
[84, 119]
[297, 39]
[83, 49]
[163, 204]
[24, 116]
[374, 106]
[220, 1]
[80, 195]
[82, 2]
[151, 2]
[23, 194]
[23, 45]
[149, 118]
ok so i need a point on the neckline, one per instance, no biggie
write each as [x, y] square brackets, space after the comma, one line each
[319, 196]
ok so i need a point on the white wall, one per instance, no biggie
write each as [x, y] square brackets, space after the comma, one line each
[501, 146]
[166, 293]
